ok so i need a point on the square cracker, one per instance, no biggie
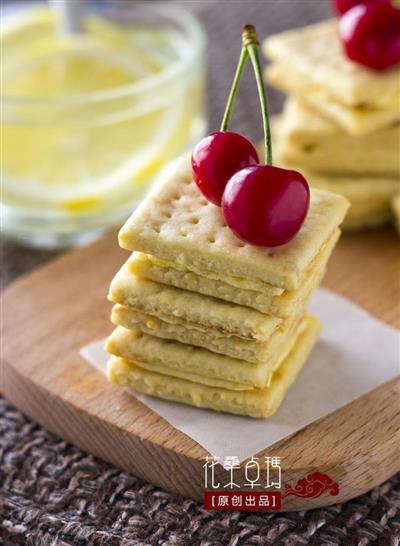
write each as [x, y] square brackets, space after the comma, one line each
[170, 357]
[259, 403]
[178, 224]
[178, 306]
[316, 55]
[257, 352]
[309, 140]
[369, 195]
[282, 304]
[355, 120]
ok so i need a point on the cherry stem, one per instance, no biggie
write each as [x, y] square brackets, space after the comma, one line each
[250, 42]
[235, 86]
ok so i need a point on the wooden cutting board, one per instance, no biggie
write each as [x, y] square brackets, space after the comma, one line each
[48, 315]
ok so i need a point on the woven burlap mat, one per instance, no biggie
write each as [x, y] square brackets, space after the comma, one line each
[53, 494]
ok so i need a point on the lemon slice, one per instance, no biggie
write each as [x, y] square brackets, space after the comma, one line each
[110, 170]
[103, 157]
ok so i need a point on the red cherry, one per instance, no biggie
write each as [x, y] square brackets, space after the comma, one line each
[216, 158]
[265, 205]
[341, 6]
[371, 35]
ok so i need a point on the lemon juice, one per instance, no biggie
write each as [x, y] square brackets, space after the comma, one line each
[89, 120]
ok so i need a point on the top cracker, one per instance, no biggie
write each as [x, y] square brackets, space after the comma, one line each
[316, 52]
[176, 223]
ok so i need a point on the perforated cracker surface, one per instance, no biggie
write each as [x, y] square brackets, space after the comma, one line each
[177, 223]
[316, 53]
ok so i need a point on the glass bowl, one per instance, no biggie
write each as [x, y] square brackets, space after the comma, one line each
[77, 159]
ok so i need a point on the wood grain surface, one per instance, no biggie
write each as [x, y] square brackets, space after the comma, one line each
[48, 315]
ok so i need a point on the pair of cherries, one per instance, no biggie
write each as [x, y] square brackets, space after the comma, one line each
[263, 205]
[370, 31]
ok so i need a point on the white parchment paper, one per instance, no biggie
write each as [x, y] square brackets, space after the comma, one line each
[354, 354]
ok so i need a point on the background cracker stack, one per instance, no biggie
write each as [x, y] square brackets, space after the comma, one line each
[206, 319]
[341, 125]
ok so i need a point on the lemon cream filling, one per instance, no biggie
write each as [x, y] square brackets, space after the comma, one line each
[233, 280]
[243, 349]
[241, 283]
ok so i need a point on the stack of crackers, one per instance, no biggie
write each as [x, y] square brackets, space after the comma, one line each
[341, 125]
[204, 318]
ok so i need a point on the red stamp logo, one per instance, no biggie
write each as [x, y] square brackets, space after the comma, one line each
[312, 486]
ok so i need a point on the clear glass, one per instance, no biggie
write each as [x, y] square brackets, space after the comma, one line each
[76, 159]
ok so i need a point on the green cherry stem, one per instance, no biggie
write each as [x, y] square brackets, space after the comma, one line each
[250, 42]
[235, 86]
